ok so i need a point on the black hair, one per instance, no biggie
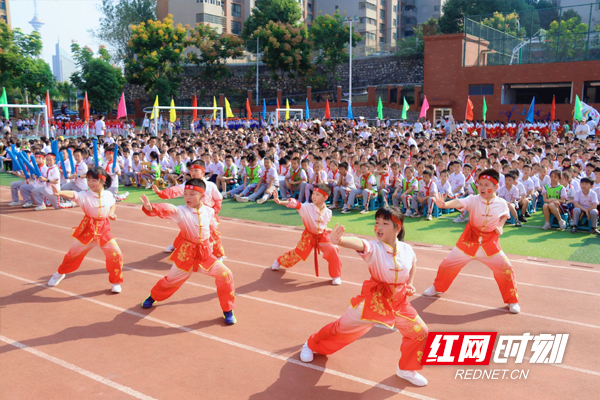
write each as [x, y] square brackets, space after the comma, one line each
[387, 212]
[196, 182]
[95, 172]
[586, 180]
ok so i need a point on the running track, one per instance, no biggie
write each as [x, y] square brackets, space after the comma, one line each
[79, 341]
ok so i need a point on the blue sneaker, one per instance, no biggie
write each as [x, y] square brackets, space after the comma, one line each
[229, 317]
[149, 302]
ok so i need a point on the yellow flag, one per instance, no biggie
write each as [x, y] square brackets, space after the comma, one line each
[172, 113]
[215, 106]
[287, 109]
[155, 105]
[228, 113]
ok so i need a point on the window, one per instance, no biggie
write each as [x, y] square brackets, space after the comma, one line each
[236, 10]
[382, 3]
[362, 5]
[591, 91]
[309, 18]
[395, 8]
[372, 21]
[209, 19]
[436, 8]
[309, 6]
[368, 36]
[337, 8]
[382, 14]
[522, 93]
[382, 28]
[394, 21]
[381, 39]
[479, 90]
[236, 27]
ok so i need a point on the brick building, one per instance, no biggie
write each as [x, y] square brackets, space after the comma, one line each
[456, 66]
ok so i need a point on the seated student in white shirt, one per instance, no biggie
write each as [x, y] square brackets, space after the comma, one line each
[586, 202]
[79, 175]
[215, 168]
[267, 183]
[510, 194]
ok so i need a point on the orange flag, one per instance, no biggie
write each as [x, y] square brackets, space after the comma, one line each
[469, 112]
[327, 111]
[248, 109]
[194, 104]
[553, 109]
[86, 108]
[278, 106]
[48, 104]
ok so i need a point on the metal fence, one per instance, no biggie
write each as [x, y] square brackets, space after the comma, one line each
[535, 36]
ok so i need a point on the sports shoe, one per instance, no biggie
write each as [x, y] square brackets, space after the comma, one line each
[459, 219]
[40, 207]
[408, 213]
[331, 207]
[562, 225]
[526, 214]
[262, 200]
[14, 204]
[429, 217]
[412, 376]
[275, 266]
[431, 292]
[514, 308]
[221, 259]
[149, 302]
[225, 195]
[27, 205]
[573, 229]
[148, 185]
[518, 224]
[306, 355]
[55, 279]
[522, 218]
[229, 317]
[364, 211]
[116, 288]
[345, 210]
[546, 226]
[595, 231]
[415, 214]
[170, 248]
[336, 281]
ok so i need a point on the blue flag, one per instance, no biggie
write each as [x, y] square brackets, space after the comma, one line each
[264, 113]
[307, 117]
[350, 115]
[530, 112]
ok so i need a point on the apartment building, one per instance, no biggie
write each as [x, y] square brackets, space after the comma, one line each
[5, 12]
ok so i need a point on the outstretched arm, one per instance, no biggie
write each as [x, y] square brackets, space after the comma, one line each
[68, 194]
[337, 237]
[439, 201]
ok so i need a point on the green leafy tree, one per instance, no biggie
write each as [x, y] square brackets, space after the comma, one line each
[66, 91]
[567, 39]
[214, 49]
[265, 11]
[287, 49]
[117, 18]
[157, 48]
[505, 23]
[547, 11]
[413, 45]
[36, 77]
[102, 80]
[570, 14]
[332, 36]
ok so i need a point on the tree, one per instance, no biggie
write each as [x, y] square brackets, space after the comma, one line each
[332, 36]
[505, 23]
[118, 16]
[547, 12]
[102, 80]
[157, 48]
[567, 39]
[214, 50]
[36, 77]
[66, 91]
[265, 11]
[570, 14]
[286, 49]
[413, 45]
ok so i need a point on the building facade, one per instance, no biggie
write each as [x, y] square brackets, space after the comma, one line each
[5, 12]
[62, 65]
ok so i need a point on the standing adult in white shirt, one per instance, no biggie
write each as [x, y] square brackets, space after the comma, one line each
[100, 126]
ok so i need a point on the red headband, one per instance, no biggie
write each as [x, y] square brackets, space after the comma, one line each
[102, 178]
[193, 166]
[321, 191]
[195, 188]
[396, 221]
[489, 178]
[108, 152]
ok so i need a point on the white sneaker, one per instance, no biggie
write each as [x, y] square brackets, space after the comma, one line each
[236, 197]
[225, 195]
[14, 204]
[336, 281]
[55, 279]
[149, 185]
[220, 259]
[116, 288]
[459, 219]
[40, 207]
[562, 224]
[429, 217]
[243, 199]
[27, 205]
[306, 355]
[261, 200]
[514, 308]
[275, 266]
[170, 248]
[431, 292]
[408, 214]
[412, 376]
[415, 214]
[546, 226]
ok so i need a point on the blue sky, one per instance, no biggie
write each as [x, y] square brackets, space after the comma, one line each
[65, 19]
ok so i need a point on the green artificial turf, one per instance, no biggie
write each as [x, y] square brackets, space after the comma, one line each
[528, 240]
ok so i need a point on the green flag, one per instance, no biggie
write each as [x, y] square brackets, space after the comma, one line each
[577, 116]
[484, 108]
[3, 100]
[404, 108]
[380, 109]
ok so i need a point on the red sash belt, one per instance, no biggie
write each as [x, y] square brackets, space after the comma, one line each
[472, 238]
[93, 229]
[188, 255]
[378, 297]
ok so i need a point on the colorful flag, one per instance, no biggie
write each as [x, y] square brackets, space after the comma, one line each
[152, 116]
[48, 104]
[194, 104]
[405, 108]
[228, 113]
[172, 112]
[122, 110]
[484, 108]
[424, 108]
[327, 111]
[577, 115]
[530, 112]
[4, 100]
[287, 109]
[307, 116]
[248, 109]
[553, 109]
[380, 109]
[589, 112]
[469, 111]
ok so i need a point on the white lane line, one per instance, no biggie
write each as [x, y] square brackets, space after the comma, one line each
[229, 342]
[75, 368]
[502, 311]
[308, 275]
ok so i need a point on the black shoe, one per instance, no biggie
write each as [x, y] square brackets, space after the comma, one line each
[518, 224]
[527, 215]
[522, 218]
[595, 231]
[573, 229]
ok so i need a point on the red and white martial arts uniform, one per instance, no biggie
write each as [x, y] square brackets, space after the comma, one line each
[479, 241]
[94, 230]
[315, 237]
[382, 299]
[194, 250]
[212, 198]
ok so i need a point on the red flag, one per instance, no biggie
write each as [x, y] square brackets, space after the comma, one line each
[278, 106]
[327, 112]
[194, 104]
[469, 112]
[49, 105]
[553, 109]
[86, 108]
[248, 109]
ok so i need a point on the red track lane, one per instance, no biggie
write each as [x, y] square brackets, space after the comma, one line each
[159, 359]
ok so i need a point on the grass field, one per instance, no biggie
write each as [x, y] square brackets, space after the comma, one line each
[528, 240]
